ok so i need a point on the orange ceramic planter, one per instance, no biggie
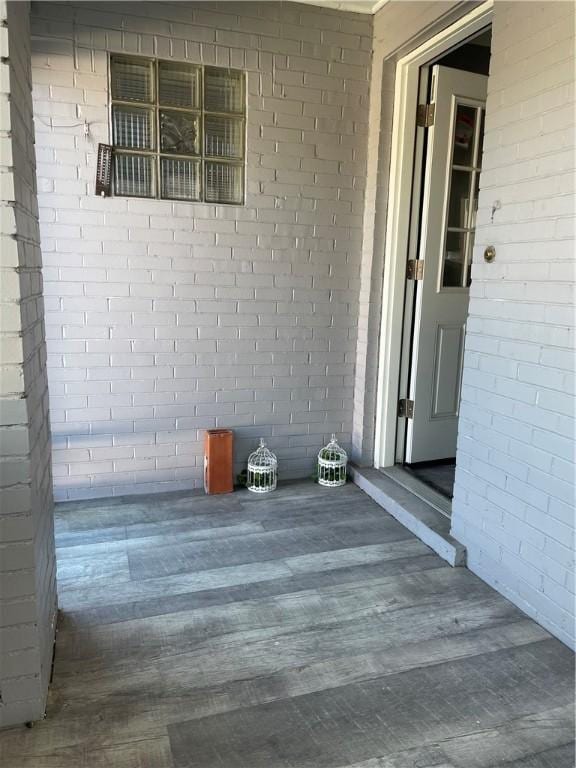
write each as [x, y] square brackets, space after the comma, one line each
[218, 445]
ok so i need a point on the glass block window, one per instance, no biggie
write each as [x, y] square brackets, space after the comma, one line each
[178, 130]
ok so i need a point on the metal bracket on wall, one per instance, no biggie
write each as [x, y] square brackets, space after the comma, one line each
[104, 170]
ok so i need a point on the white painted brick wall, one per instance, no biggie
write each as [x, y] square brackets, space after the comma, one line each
[514, 497]
[167, 318]
[27, 564]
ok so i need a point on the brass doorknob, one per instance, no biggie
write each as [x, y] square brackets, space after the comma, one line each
[489, 254]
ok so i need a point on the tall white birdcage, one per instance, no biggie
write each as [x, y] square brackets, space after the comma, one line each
[262, 470]
[332, 462]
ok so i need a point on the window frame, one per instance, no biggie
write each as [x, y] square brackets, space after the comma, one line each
[199, 111]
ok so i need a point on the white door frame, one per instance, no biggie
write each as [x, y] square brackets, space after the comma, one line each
[398, 222]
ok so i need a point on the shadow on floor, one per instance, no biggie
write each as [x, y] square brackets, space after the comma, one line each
[438, 475]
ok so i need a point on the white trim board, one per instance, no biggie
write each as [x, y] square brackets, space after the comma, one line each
[355, 6]
[398, 221]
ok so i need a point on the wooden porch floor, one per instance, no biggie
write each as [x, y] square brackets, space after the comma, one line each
[307, 629]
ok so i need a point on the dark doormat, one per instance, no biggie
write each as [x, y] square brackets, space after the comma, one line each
[438, 475]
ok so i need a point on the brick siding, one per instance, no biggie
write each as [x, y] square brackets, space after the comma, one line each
[27, 564]
[167, 318]
[514, 497]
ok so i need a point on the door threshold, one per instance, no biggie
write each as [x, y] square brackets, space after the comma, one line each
[419, 488]
[425, 521]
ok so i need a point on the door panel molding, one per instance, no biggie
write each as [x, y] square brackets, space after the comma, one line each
[447, 348]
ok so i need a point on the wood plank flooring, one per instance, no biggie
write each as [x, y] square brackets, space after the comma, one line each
[306, 629]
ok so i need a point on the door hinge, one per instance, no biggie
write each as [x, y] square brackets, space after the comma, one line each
[425, 115]
[405, 409]
[415, 269]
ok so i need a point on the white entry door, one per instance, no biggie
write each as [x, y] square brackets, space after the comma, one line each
[454, 151]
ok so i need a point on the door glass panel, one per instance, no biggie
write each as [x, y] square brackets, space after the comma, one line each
[469, 265]
[454, 258]
[458, 207]
[463, 196]
[464, 130]
[481, 138]
[474, 202]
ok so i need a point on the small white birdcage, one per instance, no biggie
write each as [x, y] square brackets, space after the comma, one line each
[332, 462]
[262, 470]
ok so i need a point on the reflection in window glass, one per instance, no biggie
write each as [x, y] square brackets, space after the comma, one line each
[459, 203]
[223, 90]
[481, 138]
[134, 175]
[471, 237]
[224, 136]
[131, 80]
[223, 182]
[465, 122]
[132, 127]
[180, 179]
[179, 133]
[463, 196]
[179, 85]
[454, 258]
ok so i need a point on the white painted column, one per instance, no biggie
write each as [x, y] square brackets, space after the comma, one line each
[27, 560]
